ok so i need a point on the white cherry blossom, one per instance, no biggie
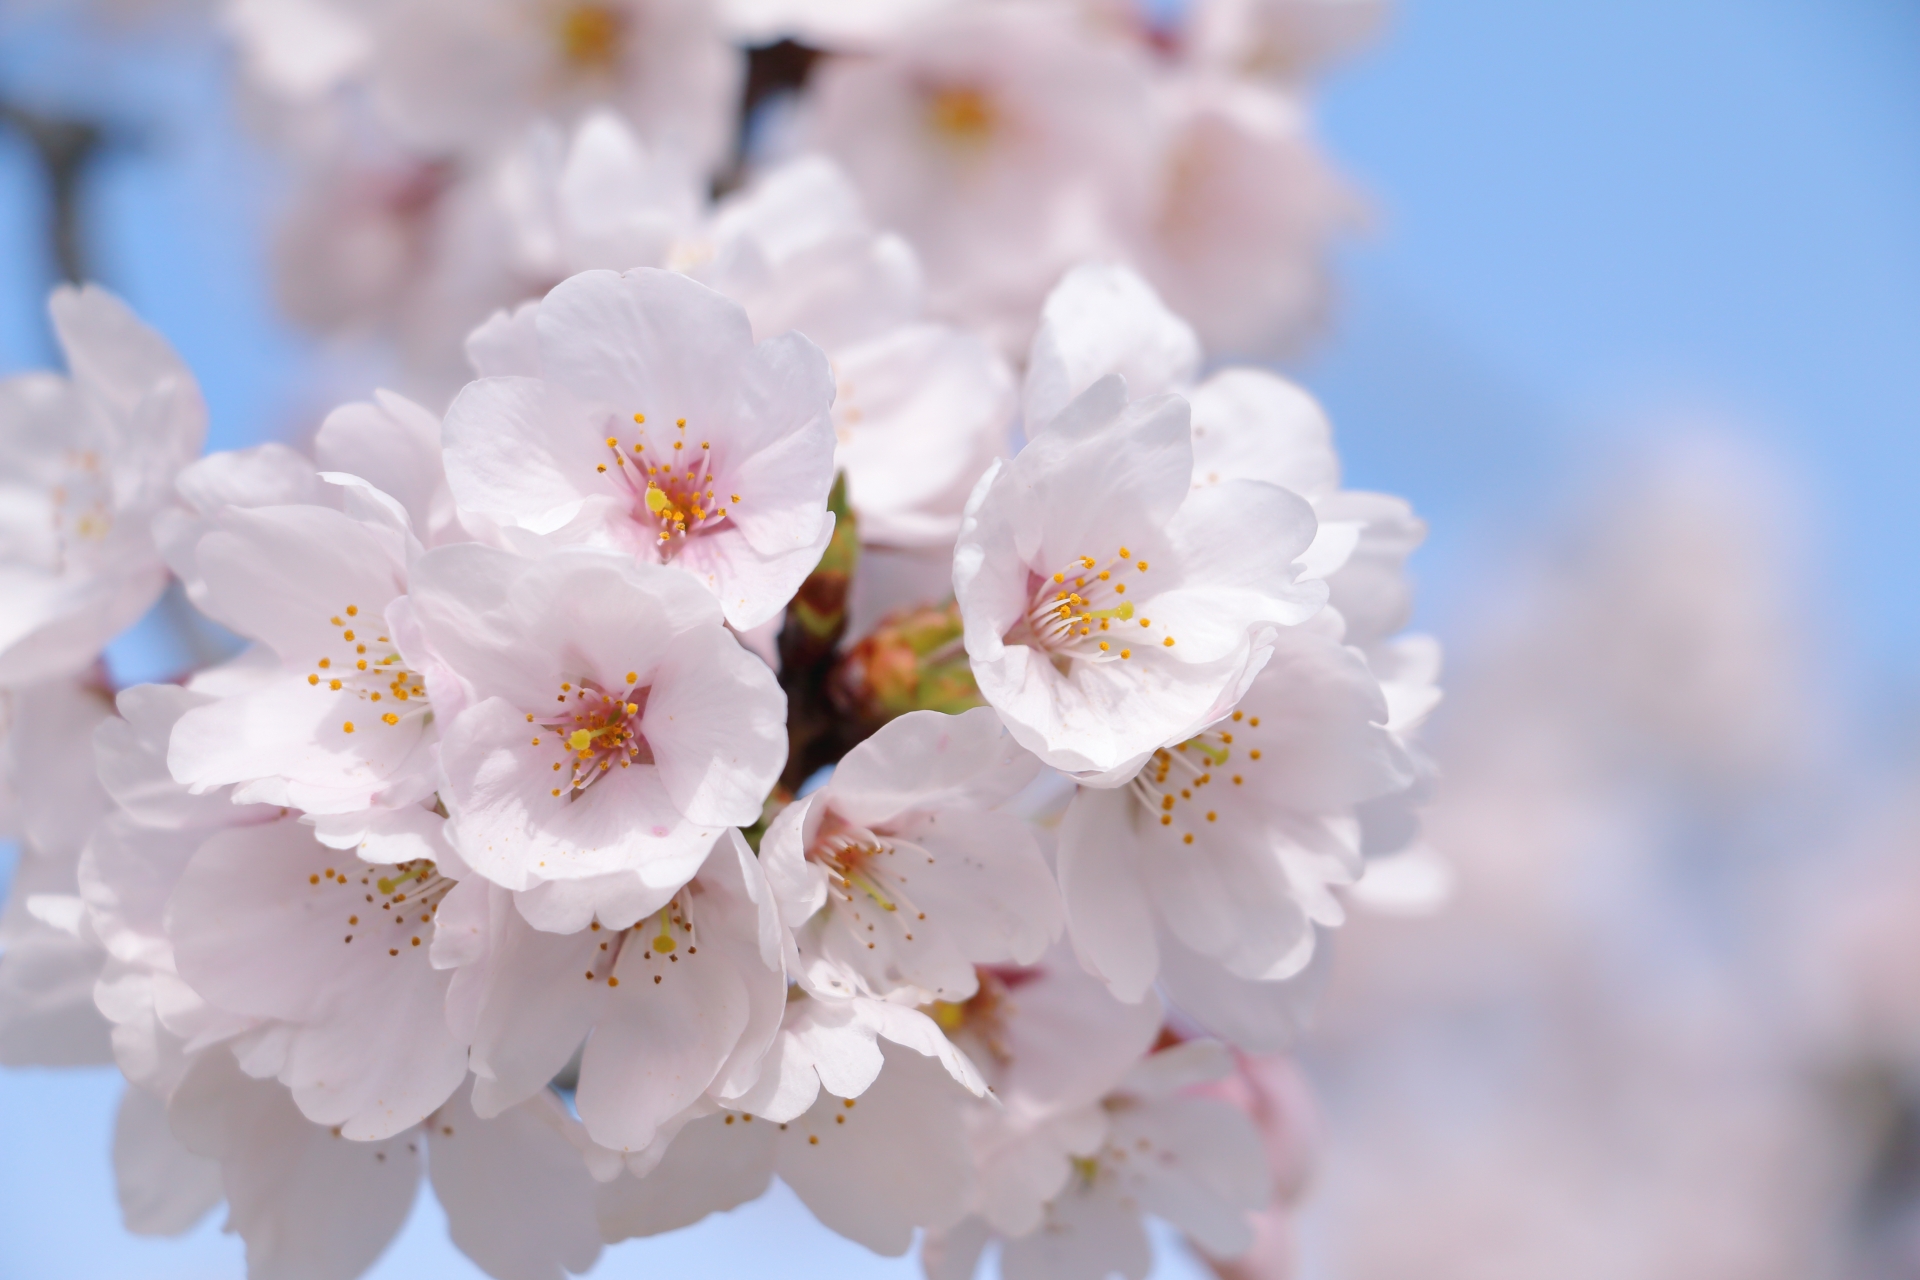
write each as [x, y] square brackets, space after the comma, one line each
[1002, 141]
[85, 461]
[608, 727]
[346, 723]
[1154, 1149]
[675, 1006]
[1111, 609]
[50, 956]
[900, 872]
[920, 408]
[659, 428]
[1228, 841]
[448, 74]
[310, 1202]
[264, 924]
[871, 1168]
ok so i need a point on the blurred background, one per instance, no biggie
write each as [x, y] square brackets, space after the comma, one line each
[1636, 326]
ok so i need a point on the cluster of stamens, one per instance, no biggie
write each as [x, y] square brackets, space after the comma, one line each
[673, 487]
[655, 937]
[860, 869]
[409, 893]
[81, 508]
[595, 731]
[1082, 611]
[376, 674]
[1176, 775]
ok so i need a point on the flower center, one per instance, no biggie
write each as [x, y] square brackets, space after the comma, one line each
[672, 488]
[596, 731]
[649, 947]
[864, 877]
[962, 114]
[395, 905]
[1082, 612]
[591, 37]
[371, 669]
[1170, 785]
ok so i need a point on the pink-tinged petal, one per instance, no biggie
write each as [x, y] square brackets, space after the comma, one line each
[716, 1163]
[657, 1045]
[281, 574]
[308, 1202]
[894, 1161]
[1099, 320]
[753, 588]
[296, 731]
[1108, 911]
[260, 929]
[163, 1188]
[926, 760]
[1258, 1016]
[716, 721]
[1249, 424]
[534, 1004]
[648, 341]
[518, 1199]
[526, 451]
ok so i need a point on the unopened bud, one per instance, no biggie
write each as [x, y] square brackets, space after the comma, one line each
[912, 661]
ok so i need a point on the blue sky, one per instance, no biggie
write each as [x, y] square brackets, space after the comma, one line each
[1595, 218]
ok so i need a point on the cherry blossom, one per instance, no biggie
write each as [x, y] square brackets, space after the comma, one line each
[900, 873]
[1111, 608]
[608, 728]
[88, 459]
[658, 427]
[675, 1006]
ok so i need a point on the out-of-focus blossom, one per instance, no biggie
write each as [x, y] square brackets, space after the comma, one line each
[1002, 142]
[88, 460]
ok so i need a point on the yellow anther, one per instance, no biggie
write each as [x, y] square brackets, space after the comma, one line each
[325, 663]
[333, 684]
[1124, 553]
[1212, 816]
[391, 718]
[1238, 714]
[566, 687]
[613, 442]
[679, 422]
[736, 498]
[1187, 838]
[633, 709]
[679, 444]
[336, 621]
[632, 676]
[313, 679]
[353, 611]
[1254, 754]
[1104, 575]
[600, 466]
[639, 417]
[1141, 566]
[1165, 820]
[1255, 722]
[1168, 642]
[1126, 653]
[346, 635]
[1104, 646]
[1146, 622]
[556, 790]
[347, 727]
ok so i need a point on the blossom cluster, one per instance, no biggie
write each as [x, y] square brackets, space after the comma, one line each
[838, 689]
[441, 173]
